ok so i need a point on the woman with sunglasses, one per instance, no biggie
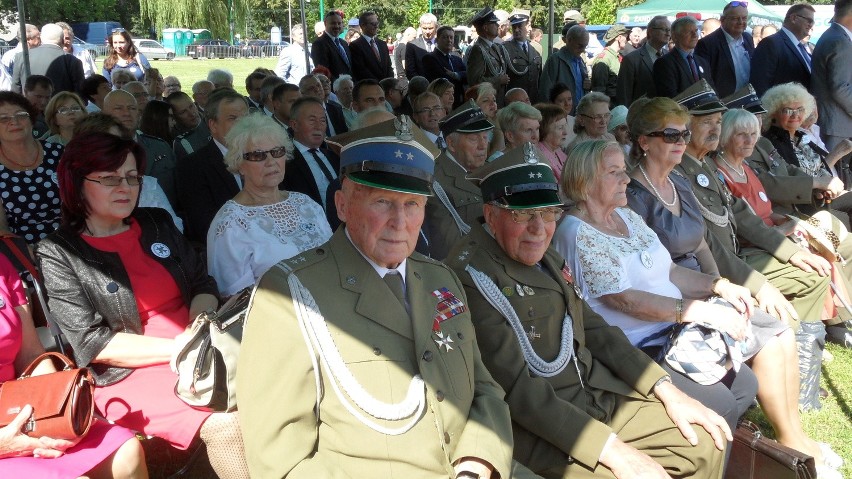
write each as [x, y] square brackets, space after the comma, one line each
[30, 194]
[262, 225]
[124, 56]
[124, 285]
[64, 111]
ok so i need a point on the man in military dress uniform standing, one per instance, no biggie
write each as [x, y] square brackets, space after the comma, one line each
[359, 358]
[524, 61]
[487, 60]
[584, 401]
[607, 63]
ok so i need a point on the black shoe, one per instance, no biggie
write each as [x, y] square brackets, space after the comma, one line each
[839, 334]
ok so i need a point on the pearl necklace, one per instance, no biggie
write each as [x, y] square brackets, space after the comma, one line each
[664, 202]
[740, 173]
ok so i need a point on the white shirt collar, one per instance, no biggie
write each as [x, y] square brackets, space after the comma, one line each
[221, 147]
[848, 32]
[792, 37]
[380, 270]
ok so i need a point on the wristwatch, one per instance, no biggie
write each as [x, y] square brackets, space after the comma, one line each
[664, 379]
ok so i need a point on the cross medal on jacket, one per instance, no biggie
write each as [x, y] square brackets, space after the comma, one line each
[448, 306]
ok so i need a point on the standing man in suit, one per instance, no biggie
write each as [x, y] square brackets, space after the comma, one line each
[783, 57]
[584, 402]
[678, 69]
[487, 60]
[728, 50]
[205, 182]
[416, 49]
[313, 167]
[568, 66]
[443, 63]
[370, 56]
[384, 376]
[636, 75]
[524, 61]
[831, 81]
[329, 50]
[50, 60]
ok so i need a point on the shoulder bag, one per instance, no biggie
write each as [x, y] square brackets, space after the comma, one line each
[753, 456]
[207, 364]
[63, 402]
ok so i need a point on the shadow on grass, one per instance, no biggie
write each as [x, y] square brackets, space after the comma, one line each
[836, 393]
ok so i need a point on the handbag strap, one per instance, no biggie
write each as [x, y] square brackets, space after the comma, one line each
[60, 357]
[23, 258]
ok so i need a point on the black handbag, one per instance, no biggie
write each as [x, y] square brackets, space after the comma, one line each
[753, 456]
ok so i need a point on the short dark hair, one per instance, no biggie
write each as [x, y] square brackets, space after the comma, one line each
[255, 75]
[557, 90]
[795, 9]
[155, 120]
[444, 28]
[356, 92]
[219, 95]
[89, 87]
[12, 98]
[301, 102]
[363, 17]
[82, 156]
[389, 84]
[34, 81]
[332, 12]
[281, 88]
[100, 123]
[178, 95]
[842, 8]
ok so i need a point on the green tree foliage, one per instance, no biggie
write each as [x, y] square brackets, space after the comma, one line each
[47, 11]
[413, 10]
[210, 14]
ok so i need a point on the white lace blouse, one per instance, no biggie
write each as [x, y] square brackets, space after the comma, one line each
[243, 242]
[605, 264]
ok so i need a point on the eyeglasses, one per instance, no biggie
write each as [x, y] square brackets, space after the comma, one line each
[793, 111]
[434, 110]
[809, 21]
[69, 110]
[112, 181]
[16, 117]
[260, 155]
[737, 3]
[671, 135]
[604, 117]
[548, 215]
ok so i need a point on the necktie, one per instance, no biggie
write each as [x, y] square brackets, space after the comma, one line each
[524, 46]
[450, 61]
[329, 175]
[342, 51]
[440, 143]
[394, 281]
[691, 61]
[375, 49]
[430, 46]
[805, 54]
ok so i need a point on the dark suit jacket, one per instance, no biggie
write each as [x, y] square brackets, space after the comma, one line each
[299, 177]
[436, 64]
[415, 50]
[714, 49]
[777, 60]
[364, 62]
[831, 84]
[672, 74]
[557, 69]
[324, 52]
[635, 77]
[338, 121]
[205, 185]
[64, 70]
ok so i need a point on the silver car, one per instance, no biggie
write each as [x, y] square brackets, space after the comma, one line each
[153, 50]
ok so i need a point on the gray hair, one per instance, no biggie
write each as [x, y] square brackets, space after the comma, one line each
[778, 96]
[682, 23]
[197, 85]
[581, 167]
[585, 103]
[428, 18]
[509, 115]
[342, 78]
[116, 74]
[737, 120]
[371, 116]
[248, 129]
[52, 34]
[218, 76]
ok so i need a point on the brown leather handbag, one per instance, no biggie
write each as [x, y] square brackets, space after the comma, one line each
[63, 402]
[753, 456]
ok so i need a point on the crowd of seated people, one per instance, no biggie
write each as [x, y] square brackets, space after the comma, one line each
[639, 216]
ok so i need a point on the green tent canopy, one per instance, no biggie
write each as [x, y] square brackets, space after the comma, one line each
[644, 12]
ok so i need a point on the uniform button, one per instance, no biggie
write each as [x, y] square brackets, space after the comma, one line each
[377, 351]
[427, 356]
[460, 335]
[531, 312]
[447, 437]
[439, 396]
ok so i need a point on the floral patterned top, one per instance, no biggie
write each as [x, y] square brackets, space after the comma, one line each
[245, 241]
[605, 264]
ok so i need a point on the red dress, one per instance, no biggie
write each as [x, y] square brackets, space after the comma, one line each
[145, 400]
[752, 192]
[101, 441]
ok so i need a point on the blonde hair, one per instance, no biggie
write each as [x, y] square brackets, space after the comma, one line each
[647, 115]
[51, 110]
[248, 128]
[581, 167]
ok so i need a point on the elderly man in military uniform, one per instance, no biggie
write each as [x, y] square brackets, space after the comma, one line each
[584, 402]
[608, 62]
[524, 67]
[487, 60]
[359, 358]
[456, 203]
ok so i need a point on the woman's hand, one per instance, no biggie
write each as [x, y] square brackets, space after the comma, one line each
[810, 263]
[14, 443]
[774, 303]
[739, 297]
[728, 321]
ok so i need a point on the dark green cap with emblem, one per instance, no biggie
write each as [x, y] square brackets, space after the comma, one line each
[745, 98]
[519, 179]
[468, 118]
[393, 155]
[700, 99]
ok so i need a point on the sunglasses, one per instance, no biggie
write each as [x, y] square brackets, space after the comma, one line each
[260, 155]
[118, 30]
[132, 180]
[735, 4]
[670, 135]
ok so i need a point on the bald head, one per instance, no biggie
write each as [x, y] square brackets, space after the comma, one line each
[122, 106]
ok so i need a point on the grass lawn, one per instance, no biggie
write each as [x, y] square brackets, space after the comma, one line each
[833, 423]
[190, 71]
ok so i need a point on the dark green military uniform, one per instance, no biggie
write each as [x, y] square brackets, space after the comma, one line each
[160, 163]
[605, 72]
[524, 65]
[442, 229]
[191, 141]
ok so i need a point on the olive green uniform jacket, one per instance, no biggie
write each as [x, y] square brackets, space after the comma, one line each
[786, 185]
[605, 70]
[466, 198]
[524, 69]
[383, 348]
[561, 423]
[768, 252]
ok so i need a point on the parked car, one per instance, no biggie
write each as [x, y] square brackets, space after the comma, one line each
[92, 48]
[153, 50]
[212, 49]
[260, 48]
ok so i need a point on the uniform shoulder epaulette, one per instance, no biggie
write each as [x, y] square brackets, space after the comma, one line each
[303, 259]
[153, 138]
